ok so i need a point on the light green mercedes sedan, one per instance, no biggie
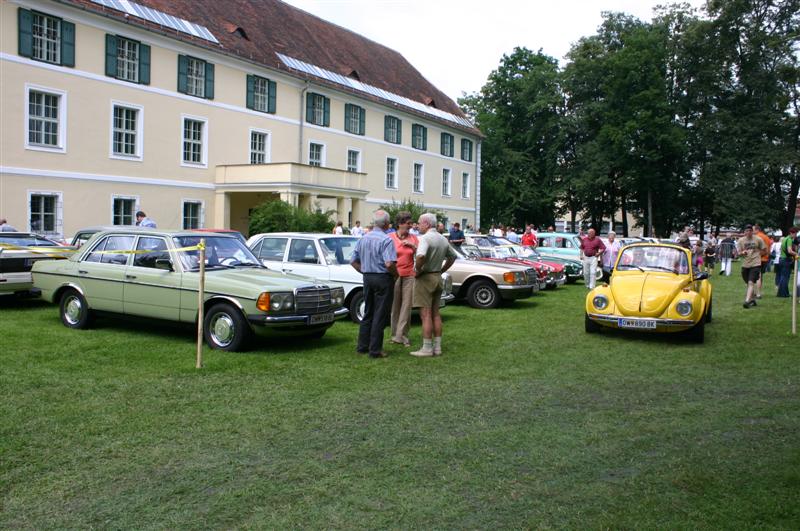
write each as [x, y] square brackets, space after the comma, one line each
[154, 273]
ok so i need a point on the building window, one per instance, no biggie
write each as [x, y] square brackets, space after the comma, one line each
[192, 214]
[46, 38]
[466, 150]
[46, 119]
[194, 146]
[465, 185]
[261, 94]
[464, 223]
[392, 129]
[353, 160]
[195, 77]
[446, 182]
[316, 154]
[123, 211]
[259, 147]
[125, 140]
[354, 118]
[45, 212]
[447, 144]
[391, 173]
[419, 137]
[318, 109]
[418, 182]
[127, 60]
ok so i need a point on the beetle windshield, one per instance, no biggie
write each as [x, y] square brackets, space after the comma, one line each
[220, 252]
[653, 258]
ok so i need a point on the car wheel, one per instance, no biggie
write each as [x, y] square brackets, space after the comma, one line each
[590, 326]
[357, 307]
[709, 314]
[74, 310]
[483, 294]
[697, 332]
[225, 328]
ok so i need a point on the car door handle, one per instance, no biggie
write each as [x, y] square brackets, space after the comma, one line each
[131, 277]
[82, 272]
[286, 270]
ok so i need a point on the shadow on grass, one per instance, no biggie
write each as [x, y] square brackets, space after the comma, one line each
[671, 338]
[22, 303]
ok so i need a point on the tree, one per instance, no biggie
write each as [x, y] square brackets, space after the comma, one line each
[408, 205]
[280, 216]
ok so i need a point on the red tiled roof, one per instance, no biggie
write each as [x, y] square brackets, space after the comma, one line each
[258, 29]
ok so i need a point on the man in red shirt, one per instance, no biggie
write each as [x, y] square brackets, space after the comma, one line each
[764, 256]
[592, 248]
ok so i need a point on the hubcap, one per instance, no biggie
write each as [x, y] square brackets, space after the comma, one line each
[484, 296]
[222, 329]
[73, 309]
[361, 310]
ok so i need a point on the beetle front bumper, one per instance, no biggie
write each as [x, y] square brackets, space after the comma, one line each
[644, 324]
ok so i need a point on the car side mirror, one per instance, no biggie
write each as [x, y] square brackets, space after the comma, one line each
[702, 275]
[164, 263]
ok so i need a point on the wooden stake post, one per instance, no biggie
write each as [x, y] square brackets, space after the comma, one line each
[201, 287]
[794, 299]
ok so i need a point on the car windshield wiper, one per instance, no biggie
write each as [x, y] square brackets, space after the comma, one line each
[249, 264]
[631, 266]
[663, 268]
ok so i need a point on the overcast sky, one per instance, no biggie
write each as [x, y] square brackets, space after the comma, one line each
[455, 44]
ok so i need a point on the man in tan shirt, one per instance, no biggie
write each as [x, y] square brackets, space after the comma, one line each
[750, 248]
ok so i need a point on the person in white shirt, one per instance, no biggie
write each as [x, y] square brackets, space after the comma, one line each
[338, 230]
[357, 231]
[512, 236]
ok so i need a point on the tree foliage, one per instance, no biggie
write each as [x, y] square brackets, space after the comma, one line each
[689, 119]
[408, 205]
[280, 216]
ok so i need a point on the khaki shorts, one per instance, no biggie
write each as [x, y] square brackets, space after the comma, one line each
[427, 290]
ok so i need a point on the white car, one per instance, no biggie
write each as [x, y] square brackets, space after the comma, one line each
[16, 260]
[325, 257]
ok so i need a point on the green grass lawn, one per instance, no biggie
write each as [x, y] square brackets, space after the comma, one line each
[524, 422]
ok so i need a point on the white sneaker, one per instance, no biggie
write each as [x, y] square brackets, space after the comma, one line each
[422, 353]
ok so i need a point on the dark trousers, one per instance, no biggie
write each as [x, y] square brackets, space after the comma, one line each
[378, 296]
[785, 271]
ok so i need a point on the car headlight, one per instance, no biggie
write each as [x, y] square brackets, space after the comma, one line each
[275, 302]
[684, 308]
[337, 297]
[514, 277]
[600, 302]
[447, 283]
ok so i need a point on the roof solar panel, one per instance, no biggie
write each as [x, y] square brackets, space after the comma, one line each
[369, 89]
[159, 17]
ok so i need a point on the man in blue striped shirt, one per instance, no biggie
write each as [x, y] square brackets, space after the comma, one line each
[376, 259]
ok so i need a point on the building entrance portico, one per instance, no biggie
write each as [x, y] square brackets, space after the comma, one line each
[240, 188]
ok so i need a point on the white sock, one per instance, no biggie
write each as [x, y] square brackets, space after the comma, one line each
[427, 344]
[437, 343]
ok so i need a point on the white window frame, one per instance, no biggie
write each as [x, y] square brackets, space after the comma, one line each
[62, 119]
[347, 159]
[318, 109]
[195, 84]
[201, 217]
[355, 125]
[43, 40]
[465, 190]
[127, 68]
[323, 154]
[396, 174]
[449, 182]
[421, 177]
[394, 132]
[136, 207]
[261, 101]
[59, 213]
[267, 144]
[204, 141]
[139, 132]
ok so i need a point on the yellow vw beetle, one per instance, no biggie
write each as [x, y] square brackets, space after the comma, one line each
[655, 289]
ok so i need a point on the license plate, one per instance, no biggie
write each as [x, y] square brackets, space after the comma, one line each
[636, 323]
[320, 318]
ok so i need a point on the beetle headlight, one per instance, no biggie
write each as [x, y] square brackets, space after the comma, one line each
[600, 302]
[337, 297]
[684, 308]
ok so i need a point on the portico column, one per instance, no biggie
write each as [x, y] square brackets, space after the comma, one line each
[355, 208]
[222, 210]
[290, 197]
[343, 207]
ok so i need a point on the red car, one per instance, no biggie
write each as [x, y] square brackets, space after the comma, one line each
[551, 274]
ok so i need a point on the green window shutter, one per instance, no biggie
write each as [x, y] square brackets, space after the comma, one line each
[183, 68]
[386, 121]
[441, 143]
[251, 89]
[425, 138]
[347, 107]
[310, 107]
[144, 64]
[111, 55]
[272, 95]
[362, 116]
[209, 81]
[452, 149]
[399, 131]
[25, 20]
[326, 119]
[67, 43]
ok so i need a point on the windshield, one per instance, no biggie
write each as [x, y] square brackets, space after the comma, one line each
[525, 251]
[654, 259]
[221, 252]
[466, 250]
[27, 241]
[503, 252]
[497, 240]
[338, 250]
